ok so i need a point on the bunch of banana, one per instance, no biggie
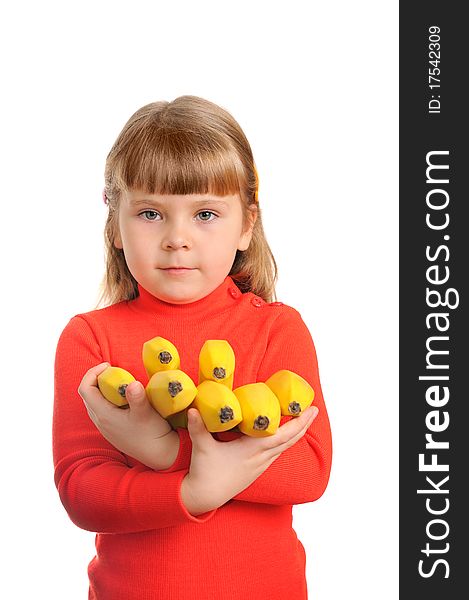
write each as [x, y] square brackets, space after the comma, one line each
[254, 409]
[169, 390]
[261, 404]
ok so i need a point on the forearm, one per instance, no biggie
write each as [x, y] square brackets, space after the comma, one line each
[102, 494]
[96, 485]
[163, 453]
[301, 473]
[298, 475]
[194, 504]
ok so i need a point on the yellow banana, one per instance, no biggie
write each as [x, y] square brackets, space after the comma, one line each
[218, 406]
[159, 354]
[293, 392]
[260, 408]
[113, 382]
[217, 362]
[169, 392]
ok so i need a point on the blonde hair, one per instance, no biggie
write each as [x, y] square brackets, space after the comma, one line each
[187, 146]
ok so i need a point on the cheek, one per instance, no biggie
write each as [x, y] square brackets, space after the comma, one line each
[133, 243]
[133, 234]
[218, 242]
[221, 248]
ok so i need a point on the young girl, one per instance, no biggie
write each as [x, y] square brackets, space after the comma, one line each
[185, 513]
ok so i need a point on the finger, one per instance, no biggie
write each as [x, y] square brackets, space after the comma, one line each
[300, 434]
[99, 405]
[91, 377]
[286, 435]
[92, 396]
[197, 430]
[293, 429]
[91, 414]
[136, 396]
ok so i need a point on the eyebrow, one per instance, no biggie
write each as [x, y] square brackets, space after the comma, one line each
[194, 203]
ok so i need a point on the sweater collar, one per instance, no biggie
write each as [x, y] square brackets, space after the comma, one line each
[219, 300]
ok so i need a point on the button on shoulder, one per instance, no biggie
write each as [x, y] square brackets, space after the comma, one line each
[234, 292]
[257, 301]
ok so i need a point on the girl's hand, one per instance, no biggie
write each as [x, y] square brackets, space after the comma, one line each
[220, 470]
[138, 431]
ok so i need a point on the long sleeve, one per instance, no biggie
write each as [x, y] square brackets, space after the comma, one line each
[97, 488]
[301, 473]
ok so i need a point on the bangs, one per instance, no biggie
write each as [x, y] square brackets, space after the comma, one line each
[177, 162]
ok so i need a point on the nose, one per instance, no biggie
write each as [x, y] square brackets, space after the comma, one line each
[176, 236]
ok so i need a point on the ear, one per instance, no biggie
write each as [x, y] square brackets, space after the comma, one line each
[118, 240]
[246, 235]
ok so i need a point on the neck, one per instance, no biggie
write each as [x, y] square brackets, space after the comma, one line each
[218, 300]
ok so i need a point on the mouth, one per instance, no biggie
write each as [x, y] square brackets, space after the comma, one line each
[178, 269]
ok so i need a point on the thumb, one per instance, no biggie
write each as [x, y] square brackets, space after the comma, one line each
[196, 426]
[135, 393]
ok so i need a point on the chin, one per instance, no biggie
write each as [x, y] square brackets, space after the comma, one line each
[175, 298]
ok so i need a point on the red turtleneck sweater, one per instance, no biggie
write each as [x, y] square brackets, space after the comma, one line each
[148, 546]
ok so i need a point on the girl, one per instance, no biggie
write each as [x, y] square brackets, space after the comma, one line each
[185, 513]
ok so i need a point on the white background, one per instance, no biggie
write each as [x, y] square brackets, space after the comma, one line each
[314, 86]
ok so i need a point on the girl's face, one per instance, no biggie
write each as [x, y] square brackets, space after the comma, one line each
[200, 232]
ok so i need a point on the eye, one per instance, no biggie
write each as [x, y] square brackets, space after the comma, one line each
[151, 214]
[207, 212]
